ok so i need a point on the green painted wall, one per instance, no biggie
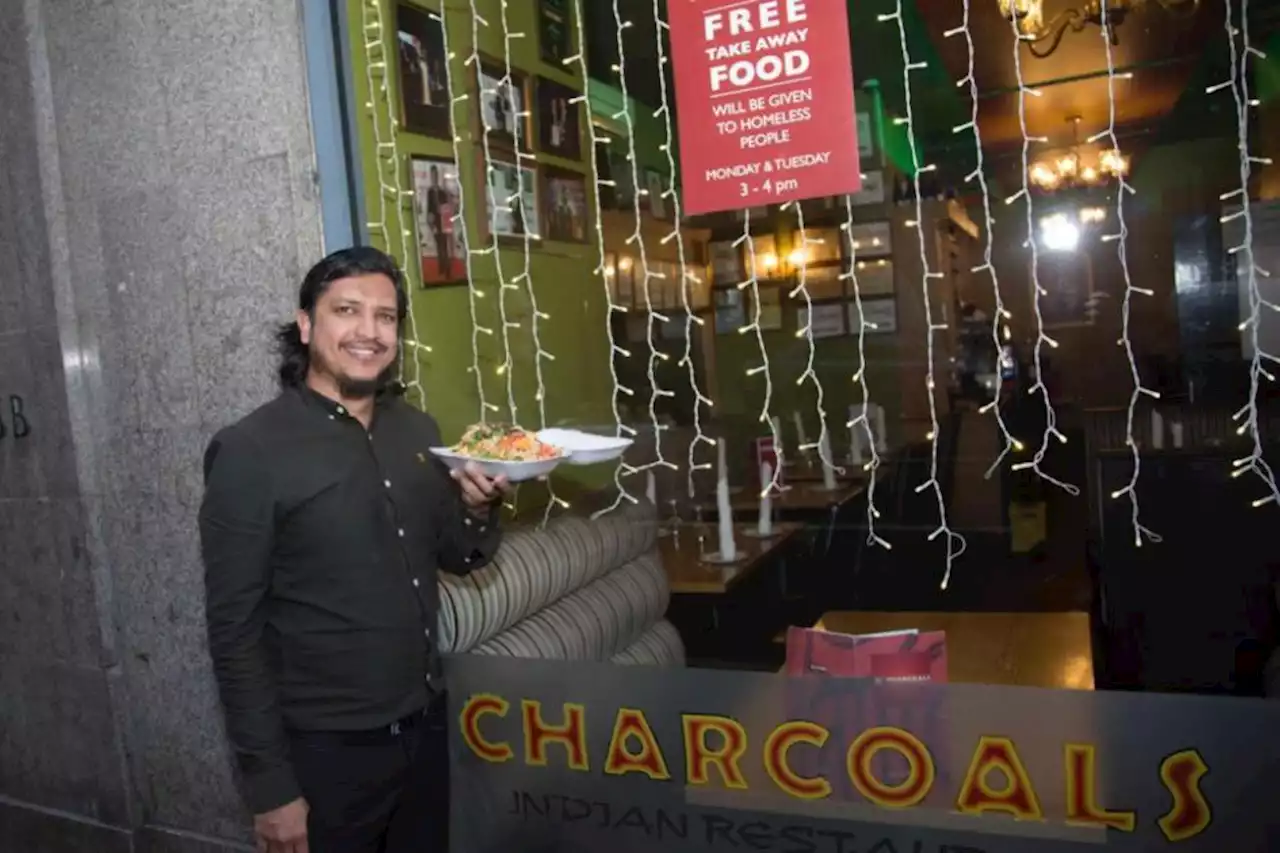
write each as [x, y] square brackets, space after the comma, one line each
[577, 382]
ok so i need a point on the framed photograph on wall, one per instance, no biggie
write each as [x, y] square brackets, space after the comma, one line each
[765, 247]
[564, 197]
[866, 141]
[435, 203]
[726, 263]
[504, 107]
[656, 184]
[731, 314]
[555, 33]
[424, 90]
[770, 307]
[505, 215]
[559, 120]
[626, 281]
[872, 191]
[881, 314]
[828, 319]
[870, 239]
[874, 277]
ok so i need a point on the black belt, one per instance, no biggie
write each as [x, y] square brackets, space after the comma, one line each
[435, 708]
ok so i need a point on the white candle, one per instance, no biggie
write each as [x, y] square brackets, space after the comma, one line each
[1157, 430]
[764, 526]
[856, 450]
[828, 472]
[721, 472]
[651, 488]
[1175, 433]
[801, 438]
[724, 512]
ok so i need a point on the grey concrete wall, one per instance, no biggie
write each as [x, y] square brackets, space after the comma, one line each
[157, 209]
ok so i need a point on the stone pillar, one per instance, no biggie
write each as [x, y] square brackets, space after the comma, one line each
[157, 210]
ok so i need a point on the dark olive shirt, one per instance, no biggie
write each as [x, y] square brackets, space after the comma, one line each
[321, 542]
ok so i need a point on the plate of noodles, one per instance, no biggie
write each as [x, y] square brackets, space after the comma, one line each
[503, 450]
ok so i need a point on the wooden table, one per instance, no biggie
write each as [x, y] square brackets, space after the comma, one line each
[1023, 649]
[804, 497]
[687, 573]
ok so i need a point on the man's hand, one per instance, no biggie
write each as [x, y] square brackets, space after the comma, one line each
[282, 830]
[478, 491]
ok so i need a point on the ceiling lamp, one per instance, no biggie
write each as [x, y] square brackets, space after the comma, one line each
[1043, 38]
[1072, 171]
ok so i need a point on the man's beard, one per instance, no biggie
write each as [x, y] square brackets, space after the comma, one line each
[352, 388]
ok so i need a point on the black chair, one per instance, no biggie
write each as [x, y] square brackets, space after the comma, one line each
[1195, 611]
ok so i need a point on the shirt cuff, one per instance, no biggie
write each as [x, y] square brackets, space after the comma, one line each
[270, 789]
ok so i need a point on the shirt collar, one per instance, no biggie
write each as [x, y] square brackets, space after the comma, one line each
[311, 397]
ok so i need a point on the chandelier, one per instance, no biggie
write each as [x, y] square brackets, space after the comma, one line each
[1043, 38]
[1073, 171]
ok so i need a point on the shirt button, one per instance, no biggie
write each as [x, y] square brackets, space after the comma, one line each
[386, 483]
[341, 411]
[331, 417]
[427, 633]
[400, 532]
[415, 581]
[483, 527]
[467, 521]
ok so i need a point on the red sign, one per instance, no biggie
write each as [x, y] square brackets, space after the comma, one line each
[765, 96]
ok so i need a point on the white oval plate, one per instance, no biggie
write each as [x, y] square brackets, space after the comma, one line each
[515, 472]
[585, 448]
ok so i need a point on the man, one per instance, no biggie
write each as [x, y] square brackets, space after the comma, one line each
[324, 520]
[440, 215]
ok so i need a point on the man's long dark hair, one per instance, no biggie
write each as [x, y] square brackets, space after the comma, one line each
[358, 260]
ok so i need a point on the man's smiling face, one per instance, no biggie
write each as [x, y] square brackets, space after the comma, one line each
[352, 336]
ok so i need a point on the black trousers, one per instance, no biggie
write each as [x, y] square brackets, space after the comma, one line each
[380, 791]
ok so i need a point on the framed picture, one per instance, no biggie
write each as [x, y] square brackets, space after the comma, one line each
[770, 307]
[555, 33]
[512, 201]
[656, 185]
[872, 191]
[626, 281]
[504, 106]
[828, 319]
[765, 248]
[424, 89]
[559, 120]
[435, 204]
[870, 240]
[731, 315]
[866, 142]
[874, 277]
[881, 315]
[564, 196]
[726, 263]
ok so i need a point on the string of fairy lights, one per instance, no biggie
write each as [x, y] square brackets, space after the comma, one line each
[823, 445]
[861, 420]
[762, 369]
[955, 543]
[1121, 239]
[536, 315]
[1241, 51]
[474, 293]
[392, 197]
[392, 194]
[647, 275]
[1000, 314]
[691, 318]
[1037, 289]
[612, 306]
